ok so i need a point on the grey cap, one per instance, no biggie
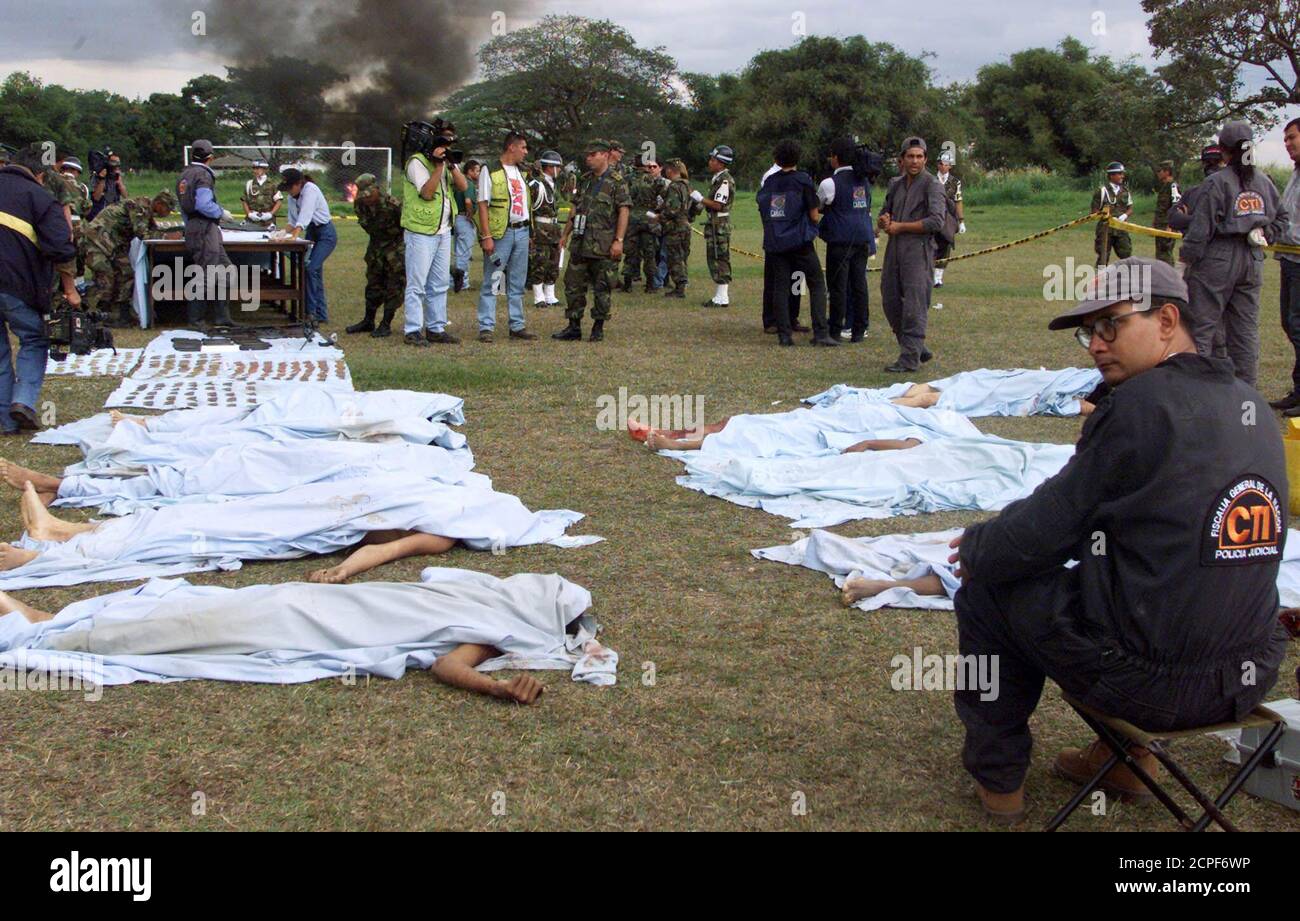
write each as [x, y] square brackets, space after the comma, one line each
[201, 149]
[1132, 279]
[912, 142]
[1233, 133]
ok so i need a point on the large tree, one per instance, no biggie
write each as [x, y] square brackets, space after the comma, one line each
[824, 88]
[1210, 42]
[564, 80]
[1063, 110]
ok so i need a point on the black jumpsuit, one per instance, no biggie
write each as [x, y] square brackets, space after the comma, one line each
[1175, 507]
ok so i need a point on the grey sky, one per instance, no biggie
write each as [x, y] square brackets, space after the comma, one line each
[134, 49]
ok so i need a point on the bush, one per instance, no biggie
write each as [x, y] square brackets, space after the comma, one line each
[1017, 186]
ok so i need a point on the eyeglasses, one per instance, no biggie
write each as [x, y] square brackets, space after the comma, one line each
[1106, 328]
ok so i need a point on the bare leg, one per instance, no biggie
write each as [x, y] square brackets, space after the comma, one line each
[34, 615]
[882, 444]
[116, 415]
[857, 588]
[662, 441]
[47, 487]
[12, 557]
[41, 525]
[372, 554]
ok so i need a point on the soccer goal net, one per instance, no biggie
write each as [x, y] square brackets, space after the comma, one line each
[333, 168]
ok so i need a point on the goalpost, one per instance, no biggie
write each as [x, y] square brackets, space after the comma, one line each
[333, 167]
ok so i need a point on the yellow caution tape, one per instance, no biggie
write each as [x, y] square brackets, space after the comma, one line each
[1175, 235]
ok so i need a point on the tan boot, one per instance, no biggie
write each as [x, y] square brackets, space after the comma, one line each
[1002, 808]
[1080, 764]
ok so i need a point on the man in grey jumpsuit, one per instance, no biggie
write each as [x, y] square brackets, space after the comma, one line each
[913, 212]
[197, 194]
[1236, 213]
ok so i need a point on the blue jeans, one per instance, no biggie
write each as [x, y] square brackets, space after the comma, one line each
[33, 349]
[325, 239]
[428, 276]
[466, 237]
[661, 270]
[506, 269]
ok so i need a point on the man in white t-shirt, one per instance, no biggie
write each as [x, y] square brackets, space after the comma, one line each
[504, 218]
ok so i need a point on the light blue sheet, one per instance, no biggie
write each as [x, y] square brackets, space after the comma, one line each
[370, 628]
[985, 392]
[946, 474]
[315, 519]
[302, 411]
[824, 430]
[258, 468]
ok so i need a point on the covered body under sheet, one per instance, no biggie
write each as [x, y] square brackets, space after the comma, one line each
[320, 518]
[985, 392]
[280, 634]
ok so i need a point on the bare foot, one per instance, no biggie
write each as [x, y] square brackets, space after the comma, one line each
[116, 415]
[656, 441]
[17, 477]
[857, 588]
[12, 557]
[334, 575]
[40, 524]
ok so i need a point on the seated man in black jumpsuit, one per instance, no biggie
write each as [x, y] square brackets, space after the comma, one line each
[1174, 506]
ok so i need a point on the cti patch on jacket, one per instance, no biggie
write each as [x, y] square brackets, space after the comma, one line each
[1249, 204]
[1244, 525]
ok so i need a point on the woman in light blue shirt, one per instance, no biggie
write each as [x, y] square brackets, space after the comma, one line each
[313, 221]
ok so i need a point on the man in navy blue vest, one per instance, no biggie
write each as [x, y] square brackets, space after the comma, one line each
[846, 228]
[788, 207]
[914, 211]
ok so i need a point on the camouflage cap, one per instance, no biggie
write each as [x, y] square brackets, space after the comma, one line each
[365, 181]
[1166, 164]
[597, 145]
[166, 198]
[615, 144]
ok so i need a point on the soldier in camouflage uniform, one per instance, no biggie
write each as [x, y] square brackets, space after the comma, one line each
[717, 227]
[261, 198]
[642, 245]
[594, 235]
[64, 192]
[380, 216]
[107, 243]
[71, 169]
[616, 168]
[1113, 193]
[544, 237]
[675, 218]
[1167, 195]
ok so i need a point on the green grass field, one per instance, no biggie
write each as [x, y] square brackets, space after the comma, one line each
[764, 686]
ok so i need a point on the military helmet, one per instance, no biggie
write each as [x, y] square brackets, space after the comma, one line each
[723, 153]
[364, 182]
[72, 163]
[1115, 167]
[947, 157]
[550, 158]
[166, 198]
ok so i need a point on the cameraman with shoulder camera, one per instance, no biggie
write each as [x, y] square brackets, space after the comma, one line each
[34, 239]
[109, 186]
[427, 214]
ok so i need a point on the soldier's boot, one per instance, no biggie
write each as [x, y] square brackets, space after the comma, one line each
[679, 293]
[627, 284]
[125, 317]
[597, 331]
[385, 327]
[650, 286]
[367, 325]
[571, 333]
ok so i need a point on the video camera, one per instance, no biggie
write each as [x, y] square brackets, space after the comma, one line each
[76, 331]
[102, 160]
[867, 164]
[425, 137]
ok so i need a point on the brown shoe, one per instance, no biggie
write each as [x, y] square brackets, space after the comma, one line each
[522, 334]
[1080, 764]
[443, 338]
[485, 335]
[1002, 808]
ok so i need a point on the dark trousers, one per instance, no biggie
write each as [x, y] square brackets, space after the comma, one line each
[769, 286]
[1291, 313]
[784, 265]
[846, 280]
[1035, 629]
